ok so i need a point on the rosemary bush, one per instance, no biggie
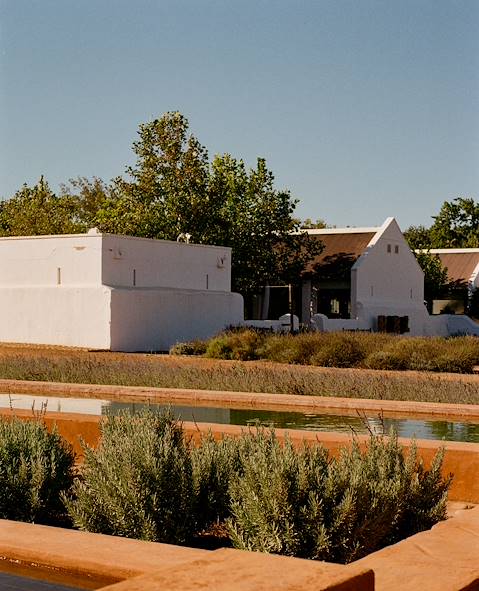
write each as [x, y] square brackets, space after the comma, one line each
[138, 483]
[35, 468]
[214, 464]
[303, 503]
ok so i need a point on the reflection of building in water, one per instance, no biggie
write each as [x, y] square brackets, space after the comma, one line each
[197, 414]
[40, 404]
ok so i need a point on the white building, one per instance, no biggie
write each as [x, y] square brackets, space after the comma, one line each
[363, 274]
[365, 279]
[113, 292]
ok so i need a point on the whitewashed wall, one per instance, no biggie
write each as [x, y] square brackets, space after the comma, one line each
[56, 315]
[51, 260]
[161, 263]
[386, 282]
[156, 319]
[67, 290]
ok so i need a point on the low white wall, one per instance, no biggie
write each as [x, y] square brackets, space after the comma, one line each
[322, 323]
[283, 324]
[60, 315]
[156, 319]
[459, 324]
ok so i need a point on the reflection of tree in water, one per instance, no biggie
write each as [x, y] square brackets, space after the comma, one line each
[442, 430]
[378, 425]
[297, 420]
[455, 431]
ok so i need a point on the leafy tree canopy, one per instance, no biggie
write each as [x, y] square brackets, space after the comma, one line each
[37, 210]
[308, 224]
[418, 237]
[456, 225]
[174, 189]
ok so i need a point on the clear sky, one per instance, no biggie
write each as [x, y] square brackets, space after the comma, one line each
[362, 108]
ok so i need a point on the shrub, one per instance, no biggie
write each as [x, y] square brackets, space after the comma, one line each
[214, 463]
[189, 348]
[240, 345]
[340, 350]
[427, 354]
[269, 494]
[36, 467]
[138, 482]
[290, 348]
[301, 503]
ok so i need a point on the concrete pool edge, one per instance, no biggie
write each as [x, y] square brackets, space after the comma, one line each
[247, 400]
[445, 558]
[136, 564]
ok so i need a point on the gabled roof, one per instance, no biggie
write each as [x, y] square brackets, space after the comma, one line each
[462, 263]
[342, 247]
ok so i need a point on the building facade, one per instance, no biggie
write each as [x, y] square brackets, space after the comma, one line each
[113, 292]
[364, 279]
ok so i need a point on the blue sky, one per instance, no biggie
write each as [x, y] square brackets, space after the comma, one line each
[363, 109]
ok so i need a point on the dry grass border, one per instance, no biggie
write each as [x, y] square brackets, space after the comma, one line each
[163, 371]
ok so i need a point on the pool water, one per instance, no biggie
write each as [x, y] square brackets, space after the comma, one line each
[407, 427]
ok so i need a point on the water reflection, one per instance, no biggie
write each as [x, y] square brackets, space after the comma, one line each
[421, 429]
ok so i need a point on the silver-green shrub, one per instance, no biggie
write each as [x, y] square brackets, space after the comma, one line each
[36, 467]
[138, 482]
[214, 465]
[303, 503]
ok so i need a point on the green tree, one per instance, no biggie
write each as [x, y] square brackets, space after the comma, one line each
[37, 210]
[456, 225]
[257, 221]
[308, 224]
[89, 197]
[173, 189]
[418, 237]
[435, 276]
[165, 193]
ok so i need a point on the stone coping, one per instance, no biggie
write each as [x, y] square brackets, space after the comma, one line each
[133, 564]
[245, 400]
[445, 558]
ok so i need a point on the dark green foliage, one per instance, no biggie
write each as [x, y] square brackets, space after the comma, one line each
[174, 189]
[435, 276]
[37, 210]
[456, 225]
[138, 483]
[36, 467]
[302, 503]
[418, 237]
